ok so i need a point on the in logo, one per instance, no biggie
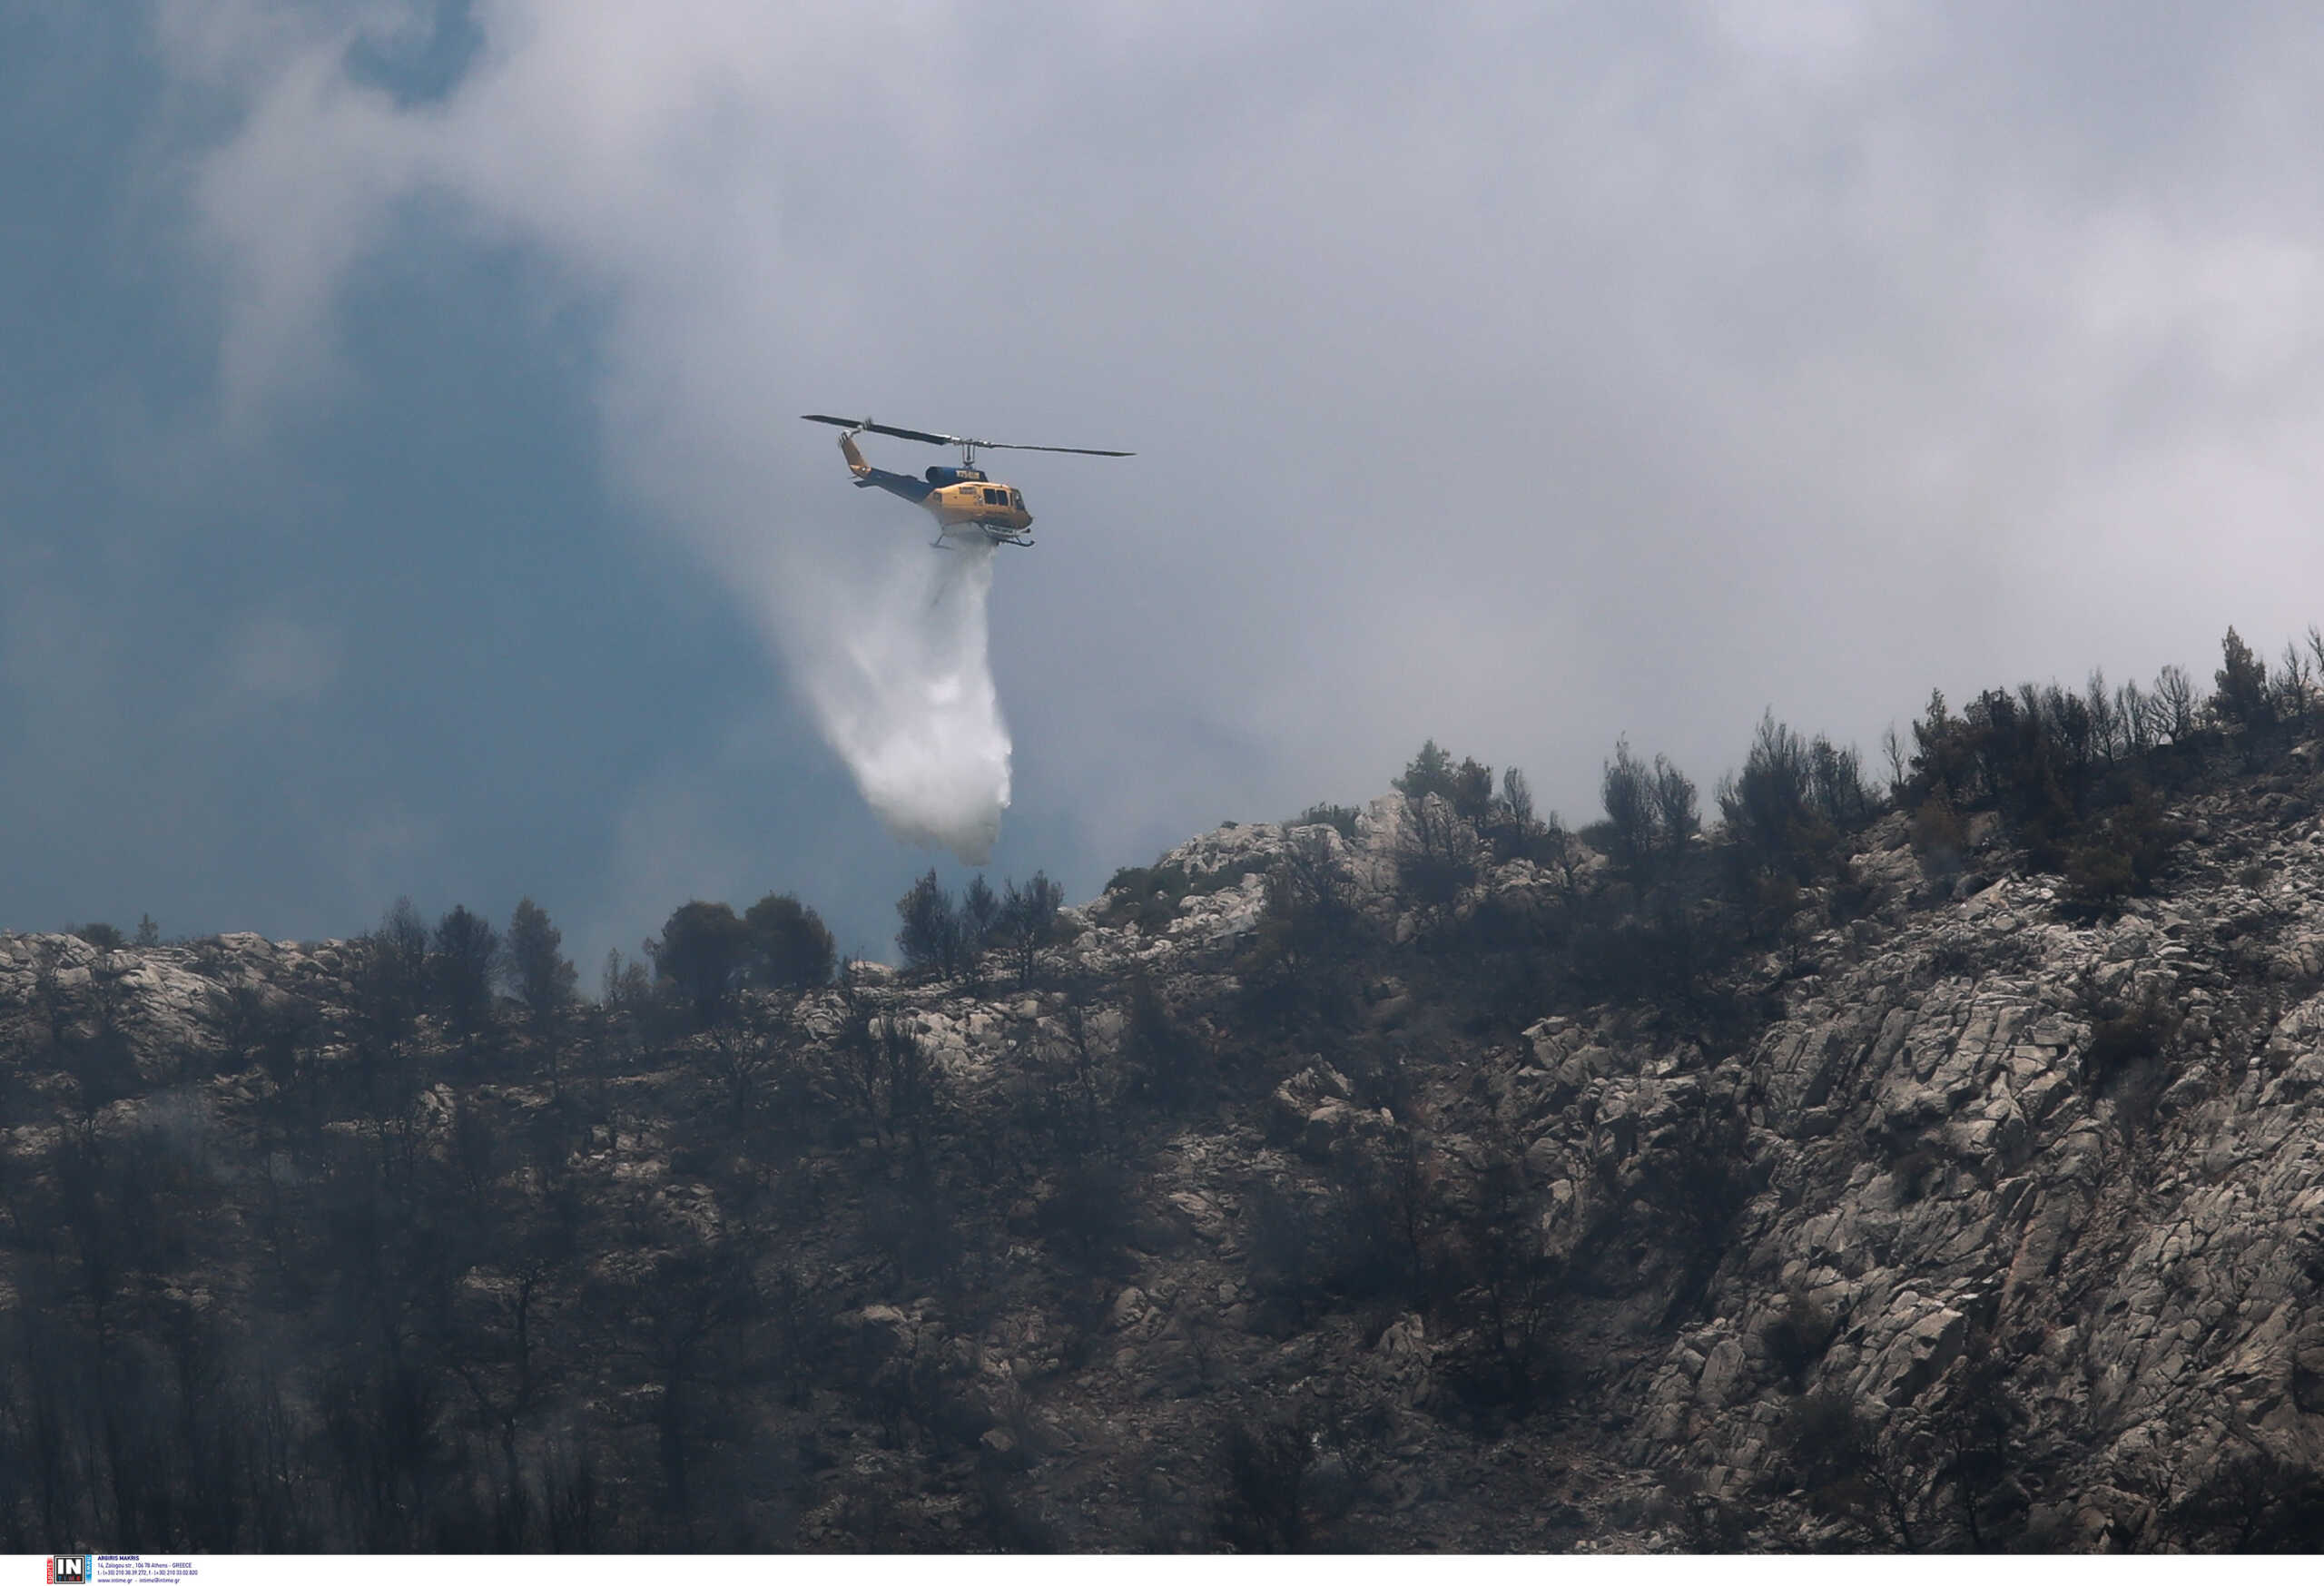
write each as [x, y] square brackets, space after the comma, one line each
[70, 1570]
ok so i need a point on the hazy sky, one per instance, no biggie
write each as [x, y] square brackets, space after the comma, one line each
[400, 490]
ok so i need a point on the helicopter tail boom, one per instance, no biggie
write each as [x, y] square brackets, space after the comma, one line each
[867, 477]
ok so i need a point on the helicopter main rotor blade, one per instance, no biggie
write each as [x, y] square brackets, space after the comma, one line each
[1079, 450]
[953, 439]
[883, 430]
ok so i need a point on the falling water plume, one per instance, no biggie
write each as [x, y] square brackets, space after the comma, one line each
[902, 688]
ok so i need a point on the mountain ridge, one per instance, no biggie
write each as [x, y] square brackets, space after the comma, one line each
[1276, 1210]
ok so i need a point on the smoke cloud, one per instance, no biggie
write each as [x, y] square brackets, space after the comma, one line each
[632, 157]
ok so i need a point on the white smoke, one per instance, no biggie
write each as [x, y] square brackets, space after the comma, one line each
[633, 148]
[901, 685]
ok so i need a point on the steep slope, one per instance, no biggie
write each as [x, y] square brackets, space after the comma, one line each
[1294, 1202]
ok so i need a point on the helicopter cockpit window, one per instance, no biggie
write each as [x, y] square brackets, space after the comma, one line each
[1017, 500]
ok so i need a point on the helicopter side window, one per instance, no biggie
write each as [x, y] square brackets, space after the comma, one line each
[995, 499]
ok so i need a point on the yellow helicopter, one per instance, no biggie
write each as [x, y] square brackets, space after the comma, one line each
[961, 498]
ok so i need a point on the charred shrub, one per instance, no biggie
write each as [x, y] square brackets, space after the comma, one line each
[1299, 972]
[103, 1068]
[1914, 1169]
[1796, 1340]
[1284, 1241]
[1167, 1067]
[1979, 1440]
[1086, 1222]
[1436, 854]
[2097, 875]
[1146, 896]
[1489, 1383]
[1261, 1507]
[2253, 1501]
[2130, 1039]
[2120, 857]
[1366, 1253]
[1654, 956]
[912, 1226]
[1012, 1525]
[1511, 1365]
[1771, 809]
[1710, 1523]
[1837, 1463]
[1365, 1237]
[1699, 1185]
[1340, 818]
[1940, 841]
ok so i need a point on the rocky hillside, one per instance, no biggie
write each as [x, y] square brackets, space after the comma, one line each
[1302, 1196]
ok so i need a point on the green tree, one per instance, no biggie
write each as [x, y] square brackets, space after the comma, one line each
[1768, 808]
[1470, 794]
[703, 951]
[980, 919]
[537, 968]
[790, 945]
[1431, 772]
[1677, 816]
[2243, 679]
[2246, 698]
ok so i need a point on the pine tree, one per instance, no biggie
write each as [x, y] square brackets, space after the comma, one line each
[538, 971]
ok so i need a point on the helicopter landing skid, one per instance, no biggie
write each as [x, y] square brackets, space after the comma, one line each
[943, 542]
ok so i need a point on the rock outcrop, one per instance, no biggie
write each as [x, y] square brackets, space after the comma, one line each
[2006, 1216]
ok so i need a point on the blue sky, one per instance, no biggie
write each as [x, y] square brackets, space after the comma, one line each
[399, 491]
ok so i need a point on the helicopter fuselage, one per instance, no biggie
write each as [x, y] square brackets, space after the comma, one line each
[959, 498]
